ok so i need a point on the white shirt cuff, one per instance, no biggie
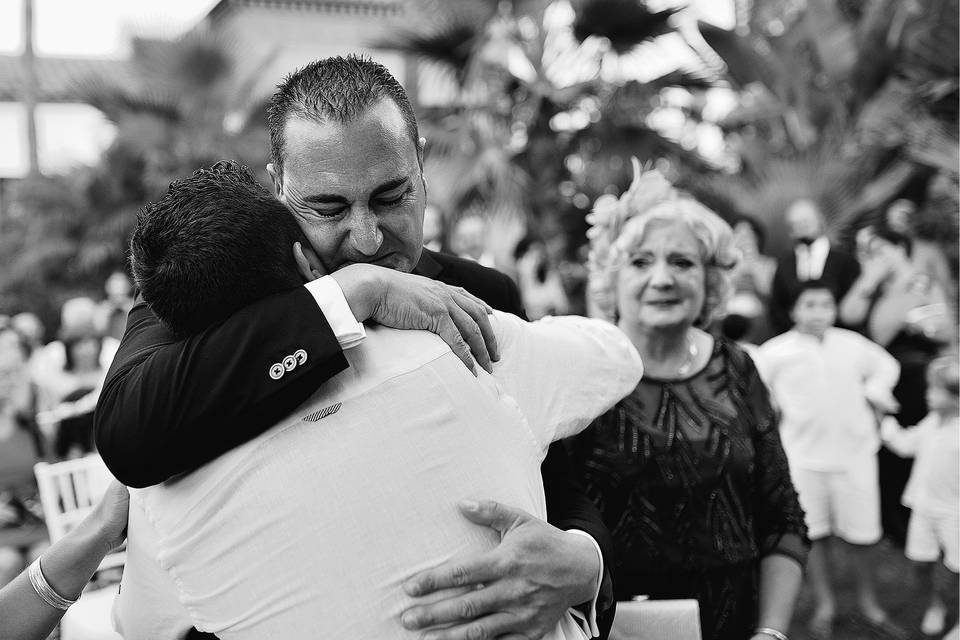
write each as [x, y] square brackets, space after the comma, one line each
[329, 297]
[588, 620]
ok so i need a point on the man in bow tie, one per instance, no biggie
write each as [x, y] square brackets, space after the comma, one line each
[814, 257]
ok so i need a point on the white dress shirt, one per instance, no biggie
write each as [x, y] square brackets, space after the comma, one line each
[309, 530]
[934, 443]
[822, 388]
[812, 258]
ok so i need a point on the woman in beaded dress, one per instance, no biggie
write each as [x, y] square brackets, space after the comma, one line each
[688, 470]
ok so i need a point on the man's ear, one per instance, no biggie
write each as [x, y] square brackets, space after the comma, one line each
[277, 179]
[308, 263]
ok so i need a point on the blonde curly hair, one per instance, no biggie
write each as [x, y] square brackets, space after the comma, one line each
[619, 226]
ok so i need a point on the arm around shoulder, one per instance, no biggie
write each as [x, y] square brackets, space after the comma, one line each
[565, 371]
[169, 406]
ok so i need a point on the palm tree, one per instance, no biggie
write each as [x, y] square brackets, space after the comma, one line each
[538, 91]
[848, 102]
[169, 110]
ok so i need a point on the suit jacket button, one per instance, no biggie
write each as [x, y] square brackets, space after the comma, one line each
[289, 363]
[277, 371]
[300, 355]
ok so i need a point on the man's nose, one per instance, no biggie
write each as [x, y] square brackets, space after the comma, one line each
[365, 234]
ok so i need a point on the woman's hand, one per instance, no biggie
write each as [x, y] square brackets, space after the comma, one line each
[110, 515]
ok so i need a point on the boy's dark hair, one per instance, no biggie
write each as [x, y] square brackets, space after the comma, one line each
[337, 89]
[810, 285]
[214, 243]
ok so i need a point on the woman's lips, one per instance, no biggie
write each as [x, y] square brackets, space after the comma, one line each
[662, 303]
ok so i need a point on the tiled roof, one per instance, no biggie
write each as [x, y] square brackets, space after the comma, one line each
[367, 7]
[59, 79]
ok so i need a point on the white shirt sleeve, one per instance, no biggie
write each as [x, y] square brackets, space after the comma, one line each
[881, 370]
[765, 364]
[903, 442]
[333, 305]
[563, 371]
[588, 620]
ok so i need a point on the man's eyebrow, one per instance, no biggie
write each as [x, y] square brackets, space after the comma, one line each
[390, 185]
[333, 198]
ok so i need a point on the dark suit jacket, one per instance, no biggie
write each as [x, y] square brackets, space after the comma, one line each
[840, 270]
[169, 406]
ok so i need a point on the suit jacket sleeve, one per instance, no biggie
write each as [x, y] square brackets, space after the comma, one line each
[169, 406]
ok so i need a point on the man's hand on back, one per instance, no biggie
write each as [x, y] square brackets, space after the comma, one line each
[408, 301]
[520, 589]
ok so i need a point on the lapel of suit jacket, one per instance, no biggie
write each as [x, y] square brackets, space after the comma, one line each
[429, 266]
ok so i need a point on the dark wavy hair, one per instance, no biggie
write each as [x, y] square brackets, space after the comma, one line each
[214, 243]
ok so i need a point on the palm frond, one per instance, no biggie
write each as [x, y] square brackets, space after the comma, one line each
[450, 45]
[625, 23]
[748, 58]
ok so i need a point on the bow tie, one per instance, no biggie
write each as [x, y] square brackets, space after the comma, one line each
[805, 242]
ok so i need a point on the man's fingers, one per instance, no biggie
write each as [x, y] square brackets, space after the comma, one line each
[450, 333]
[480, 312]
[462, 608]
[472, 334]
[464, 572]
[498, 625]
[490, 513]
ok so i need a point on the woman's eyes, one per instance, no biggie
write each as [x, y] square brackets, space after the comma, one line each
[678, 262]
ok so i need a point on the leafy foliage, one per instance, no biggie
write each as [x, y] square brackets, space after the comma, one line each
[65, 234]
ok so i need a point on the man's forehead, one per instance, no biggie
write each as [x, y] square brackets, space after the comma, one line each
[380, 126]
[362, 153]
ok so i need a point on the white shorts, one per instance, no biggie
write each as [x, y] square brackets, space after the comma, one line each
[929, 535]
[841, 503]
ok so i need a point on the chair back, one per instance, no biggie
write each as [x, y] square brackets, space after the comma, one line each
[69, 491]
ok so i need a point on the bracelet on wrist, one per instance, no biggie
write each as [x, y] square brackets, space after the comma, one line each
[773, 633]
[47, 593]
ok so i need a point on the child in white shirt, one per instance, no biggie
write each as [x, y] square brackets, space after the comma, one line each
[933, 492]
[829, 383]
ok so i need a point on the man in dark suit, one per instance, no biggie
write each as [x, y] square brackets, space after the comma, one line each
[813, 257]
[347, 162]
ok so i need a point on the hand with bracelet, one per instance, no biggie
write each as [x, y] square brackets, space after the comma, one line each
[766, 633]
[32, 605]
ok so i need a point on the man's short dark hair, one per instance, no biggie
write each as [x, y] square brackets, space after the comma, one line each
[214, 243]
[337, 89]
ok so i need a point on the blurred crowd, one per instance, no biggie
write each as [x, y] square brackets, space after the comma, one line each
[887, 304]
[48, 391]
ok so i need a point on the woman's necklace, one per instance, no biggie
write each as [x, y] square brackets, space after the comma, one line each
[692, 353]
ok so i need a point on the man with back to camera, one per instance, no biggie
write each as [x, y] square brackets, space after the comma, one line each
[347, 162]
[282, 537]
